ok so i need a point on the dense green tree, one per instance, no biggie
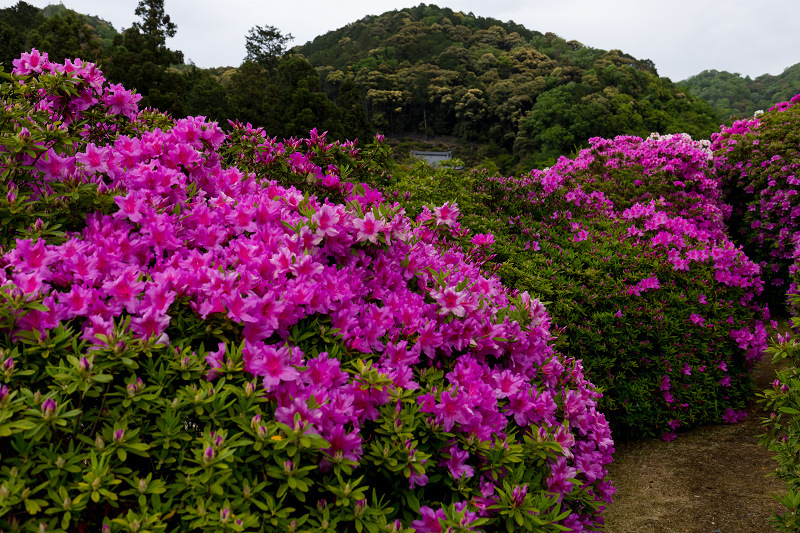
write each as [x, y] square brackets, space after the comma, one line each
[206, 96]
[734, 96]
[250, 91]
[66, 35]
[16, 22]
[141, 59]
[265, 45]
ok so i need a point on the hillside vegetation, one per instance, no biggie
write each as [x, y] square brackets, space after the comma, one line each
[732, 95]
[527, 96]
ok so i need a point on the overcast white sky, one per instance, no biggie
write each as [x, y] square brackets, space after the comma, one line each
[682, 37]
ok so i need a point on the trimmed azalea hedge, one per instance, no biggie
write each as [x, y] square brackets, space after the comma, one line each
[756, 161]
[187, 345]
[765, 187]
[627, 244]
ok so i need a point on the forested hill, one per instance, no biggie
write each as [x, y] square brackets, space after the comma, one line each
[528, 96]
[65, 33]
[525, 97]
[734, 96]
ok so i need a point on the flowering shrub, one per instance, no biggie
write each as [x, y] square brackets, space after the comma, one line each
[757, 161]
[782, 427]
[627, 244]
[203, 347]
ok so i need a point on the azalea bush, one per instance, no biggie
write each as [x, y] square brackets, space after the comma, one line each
[782, 426]
[765, 188]
[189, 345]
[756, 161]
[627, 245]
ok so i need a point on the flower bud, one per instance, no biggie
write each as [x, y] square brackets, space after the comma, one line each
[361, 506]
[142, 485]
[96, 483]
[84, 365]
[60, 462]
[208, 455]
[321, 504]
[249, 389]
[99, 443]
[118, 436]
[518, 494]
[224, 515]
[3, 393]
[288, 467]
[262, 432]
[48, 408]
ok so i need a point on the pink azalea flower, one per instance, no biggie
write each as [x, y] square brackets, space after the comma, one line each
[457, 462]
[368, 228]
[450, 301]
[446, 214]
[429, 522]
[275, 365]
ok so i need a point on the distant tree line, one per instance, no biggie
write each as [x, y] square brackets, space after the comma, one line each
[524, 96]
[734, 96]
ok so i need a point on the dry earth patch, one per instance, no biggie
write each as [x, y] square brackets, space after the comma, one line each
[709, 480]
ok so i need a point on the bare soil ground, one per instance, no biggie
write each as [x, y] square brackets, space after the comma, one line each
[708, 480]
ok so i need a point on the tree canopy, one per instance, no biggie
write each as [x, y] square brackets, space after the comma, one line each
[529, 95]
[734, 96]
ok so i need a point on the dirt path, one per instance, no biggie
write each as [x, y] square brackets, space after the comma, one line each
[709, 480]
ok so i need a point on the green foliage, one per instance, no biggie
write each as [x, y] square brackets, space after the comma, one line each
[67, 36]
[265, 45]
[16, 22]
[782, 427]
[533, 96]
[734, 96]
[288, 101]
